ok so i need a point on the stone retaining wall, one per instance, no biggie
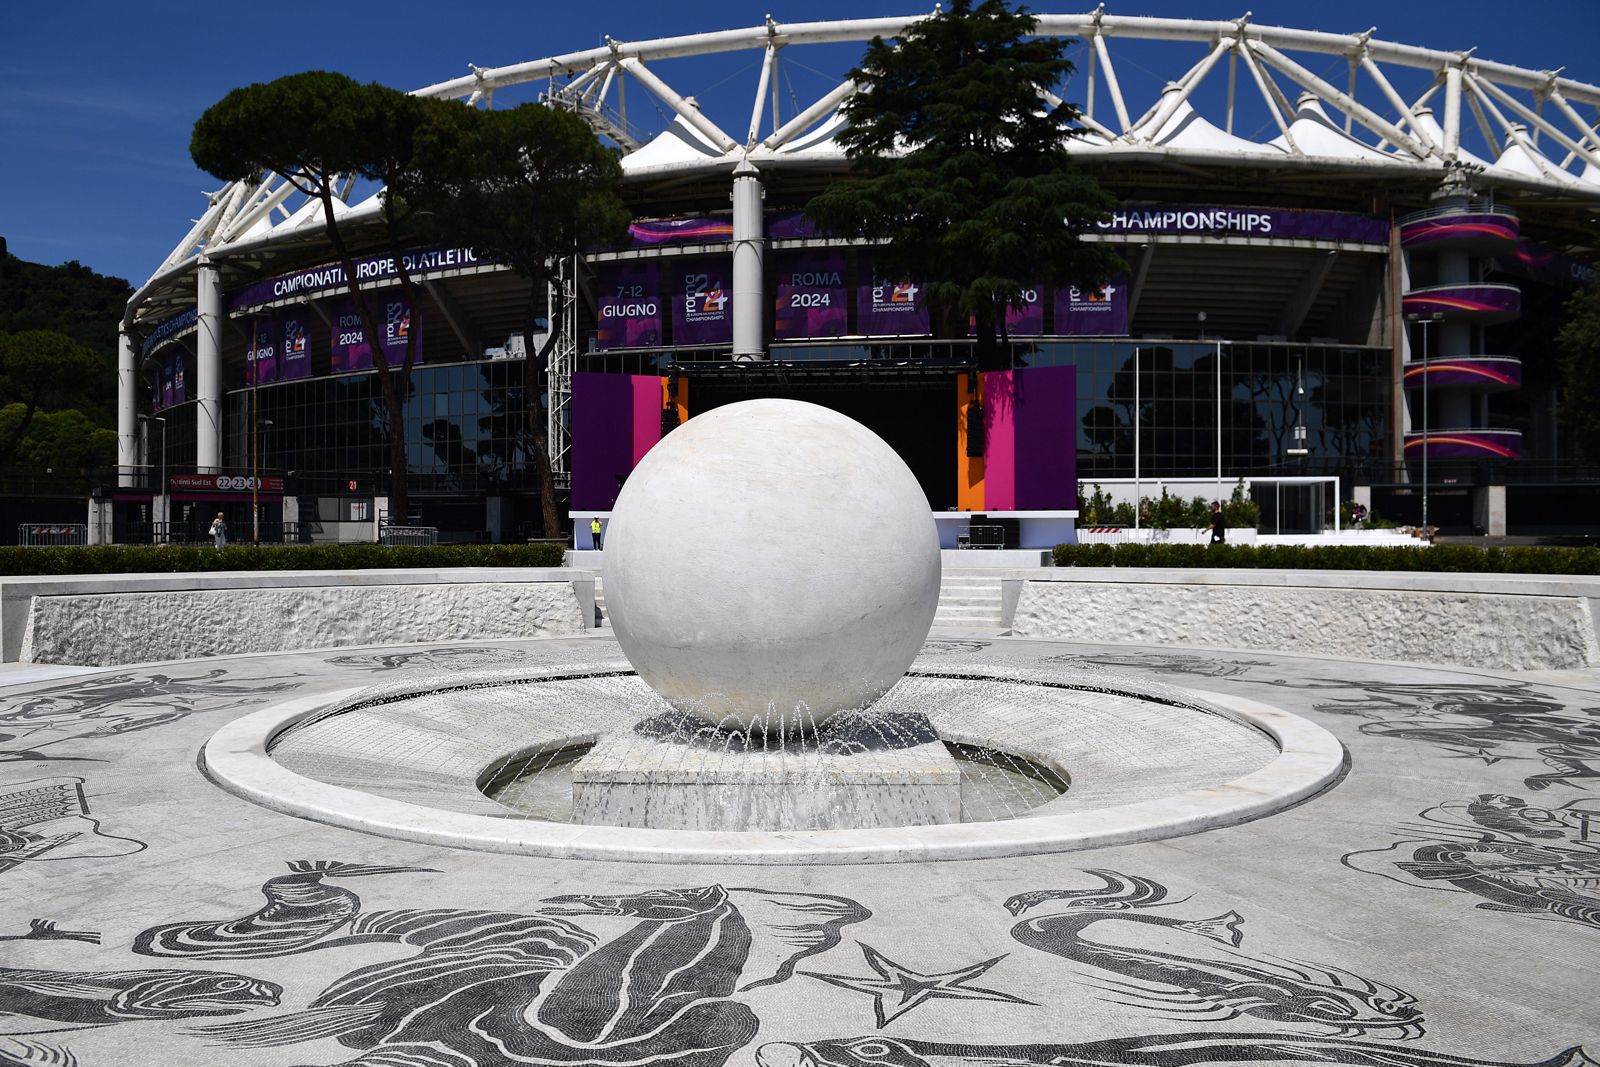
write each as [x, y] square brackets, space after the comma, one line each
[1329, 615]
[108, 627]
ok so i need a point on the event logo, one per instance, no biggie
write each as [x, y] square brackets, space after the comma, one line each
[294, 337]
[1101, 295]
[398, 322]
[703, 297]
[901, 296]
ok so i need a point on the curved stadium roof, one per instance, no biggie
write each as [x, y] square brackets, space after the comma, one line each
[1344, 112]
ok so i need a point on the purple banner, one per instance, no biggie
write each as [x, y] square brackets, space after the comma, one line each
[1045, 453]
[261, 354]
[166, 383]
[1466, 444]
[1467, 226]
[1024, 321]
[329, 277]
[180, 388]
[812, 300]
[350, 348]
[396, 323]
[602, 446]
[1488, 301]
[1246, 222]
[1546, 267]
[790, 226]
[702, 301]
[630, 306]
[294, 344]
[651, 233]
[889, 308]
[1101, 312]
[1487, 373]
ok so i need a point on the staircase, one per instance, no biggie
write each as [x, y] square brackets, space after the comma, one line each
[969, 600]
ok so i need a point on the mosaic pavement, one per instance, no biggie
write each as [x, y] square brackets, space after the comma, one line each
[1440, 907]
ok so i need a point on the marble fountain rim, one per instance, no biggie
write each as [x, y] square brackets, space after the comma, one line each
[237, 758]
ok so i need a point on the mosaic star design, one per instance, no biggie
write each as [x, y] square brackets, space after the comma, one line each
[898, 989]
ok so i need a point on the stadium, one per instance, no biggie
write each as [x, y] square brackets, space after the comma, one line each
[1346, 261]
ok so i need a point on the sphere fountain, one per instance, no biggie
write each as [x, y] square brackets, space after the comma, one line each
[771, 573]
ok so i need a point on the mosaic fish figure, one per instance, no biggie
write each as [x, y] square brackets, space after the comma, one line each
[1538, 880]
[302, 910]
[95, 998]
[1168, 1050]
[1520, 859]
[1216, 985]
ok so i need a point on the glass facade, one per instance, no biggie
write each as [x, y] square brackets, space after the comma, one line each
[1341, 395]
[465, 423]
[464, 427]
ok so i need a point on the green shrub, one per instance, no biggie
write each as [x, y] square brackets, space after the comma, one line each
[1459, 558]
[1168, 512]
[171, 559]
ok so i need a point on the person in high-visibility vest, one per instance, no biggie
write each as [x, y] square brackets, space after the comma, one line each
[594, 530]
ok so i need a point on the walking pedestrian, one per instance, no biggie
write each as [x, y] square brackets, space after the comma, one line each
[219, 532]
[1219, 525]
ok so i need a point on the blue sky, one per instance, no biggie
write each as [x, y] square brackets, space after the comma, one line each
[97, 98]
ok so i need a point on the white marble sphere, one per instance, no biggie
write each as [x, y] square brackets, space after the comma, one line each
[770, 564]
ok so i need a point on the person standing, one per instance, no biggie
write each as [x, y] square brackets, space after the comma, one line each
[595, 532]
[1219, 525]
[219, 532]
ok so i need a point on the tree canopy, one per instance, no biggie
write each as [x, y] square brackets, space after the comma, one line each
[316, 129]
[961, 165]
[74, 300]
[40, 370]
[1579, 344]
[526, 186]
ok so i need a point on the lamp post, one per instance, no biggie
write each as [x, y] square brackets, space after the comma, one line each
[162, 420]
[1138, 490]
[255, 450]
[1219, 422]
[1426, 320]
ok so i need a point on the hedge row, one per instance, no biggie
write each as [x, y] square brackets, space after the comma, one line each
[1513, 560]
[139, 559]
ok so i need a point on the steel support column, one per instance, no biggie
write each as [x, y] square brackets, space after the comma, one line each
[208, 370]
[749, 250]
[127, 410]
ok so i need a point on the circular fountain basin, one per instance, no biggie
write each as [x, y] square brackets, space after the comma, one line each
[1042, 761]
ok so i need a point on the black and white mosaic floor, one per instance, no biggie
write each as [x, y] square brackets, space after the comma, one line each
[1439, 908]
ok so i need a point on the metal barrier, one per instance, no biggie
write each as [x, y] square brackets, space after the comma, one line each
[408, 535]
[1107, 535]
[52, 534]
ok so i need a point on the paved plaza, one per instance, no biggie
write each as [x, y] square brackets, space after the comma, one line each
[1439, 905]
